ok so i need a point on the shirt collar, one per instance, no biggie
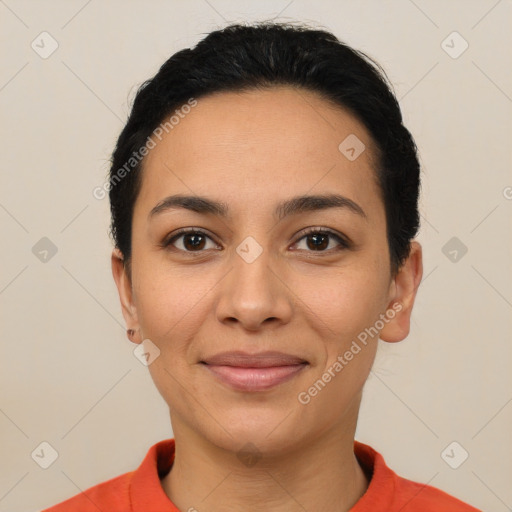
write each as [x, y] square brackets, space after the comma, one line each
[146, 488]
[146, 491]
[382, 485]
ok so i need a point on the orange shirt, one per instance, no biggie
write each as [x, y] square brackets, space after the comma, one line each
[141, 491]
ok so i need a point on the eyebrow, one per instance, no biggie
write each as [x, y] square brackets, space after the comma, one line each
[293, 206]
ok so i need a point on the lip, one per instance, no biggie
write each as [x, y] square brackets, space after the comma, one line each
[257, 360]
[254, 372]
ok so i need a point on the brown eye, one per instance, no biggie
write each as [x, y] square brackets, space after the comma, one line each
[190, 240]
[320, 240]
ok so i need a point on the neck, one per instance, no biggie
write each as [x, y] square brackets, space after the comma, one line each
[322, 474]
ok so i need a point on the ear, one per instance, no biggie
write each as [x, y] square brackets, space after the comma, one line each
[402, 295]
[124, 288]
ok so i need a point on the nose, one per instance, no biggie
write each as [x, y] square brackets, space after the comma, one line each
[254, 294]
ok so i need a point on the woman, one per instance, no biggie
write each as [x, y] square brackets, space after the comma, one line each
[264, 207]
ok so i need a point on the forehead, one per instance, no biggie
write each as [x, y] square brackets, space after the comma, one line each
[265, 144]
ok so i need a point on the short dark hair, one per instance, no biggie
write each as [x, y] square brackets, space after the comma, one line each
[242, 57]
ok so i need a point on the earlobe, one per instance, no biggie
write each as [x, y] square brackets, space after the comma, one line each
[124, 289]
[405, 287]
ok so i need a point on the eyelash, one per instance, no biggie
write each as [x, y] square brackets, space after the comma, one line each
[344, 243]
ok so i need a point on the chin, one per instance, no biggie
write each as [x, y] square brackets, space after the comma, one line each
[269, 431]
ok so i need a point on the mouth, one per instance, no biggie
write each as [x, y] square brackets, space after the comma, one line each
[254, 372]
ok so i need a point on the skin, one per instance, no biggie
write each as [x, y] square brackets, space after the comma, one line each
[252, 150]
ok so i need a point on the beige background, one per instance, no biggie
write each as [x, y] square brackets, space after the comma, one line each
[68, 375]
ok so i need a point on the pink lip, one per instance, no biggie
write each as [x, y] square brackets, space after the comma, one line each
[254, 372]
[254, 379]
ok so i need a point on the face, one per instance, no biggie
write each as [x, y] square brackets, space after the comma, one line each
[258, 272]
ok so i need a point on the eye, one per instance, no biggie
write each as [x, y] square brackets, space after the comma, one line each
[196, 240]
[192, 240]
[318, 240]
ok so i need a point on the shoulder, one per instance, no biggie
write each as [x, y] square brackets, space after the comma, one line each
[390, 492]
[414, 496]
[111, 495]
[130, 491]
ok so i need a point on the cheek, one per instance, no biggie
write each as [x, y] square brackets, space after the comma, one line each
[344, 303]
[169, 310]
[341, 315]
[165, 300]
[343, 311]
